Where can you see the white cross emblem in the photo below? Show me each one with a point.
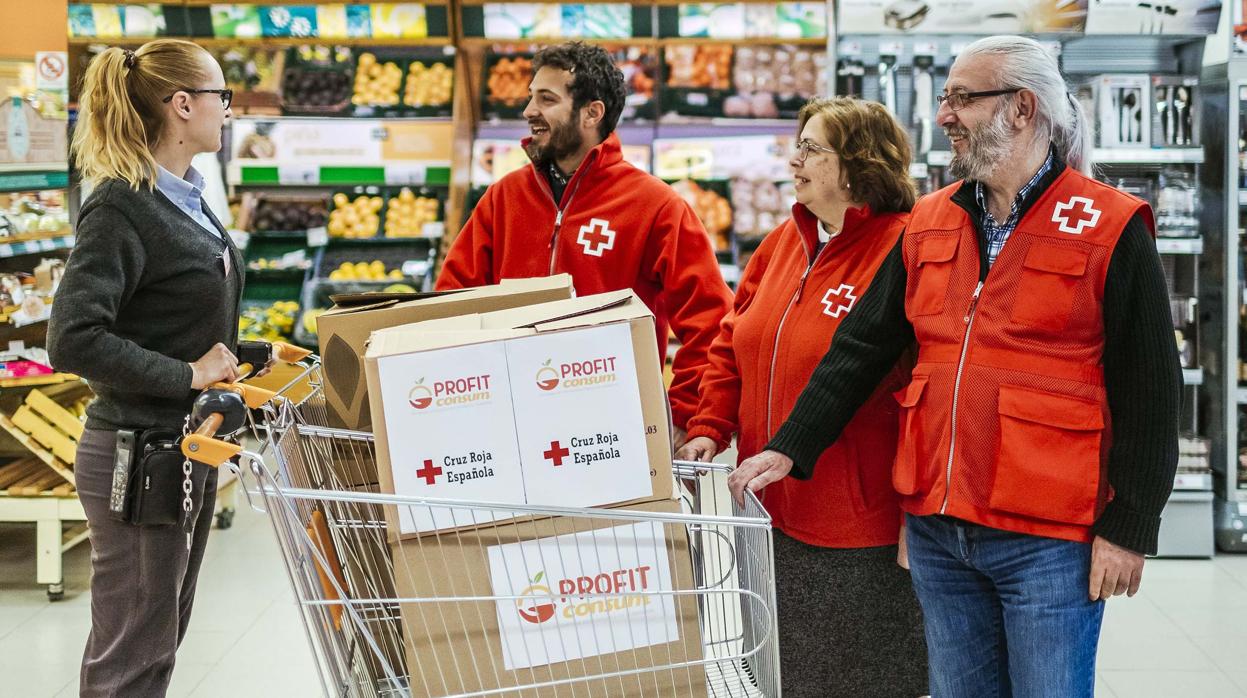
(838, 301)
(1087, 217)
(597, 237)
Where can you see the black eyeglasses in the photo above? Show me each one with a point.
(960, 100)
(227, 95)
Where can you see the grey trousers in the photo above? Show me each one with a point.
(142, 582)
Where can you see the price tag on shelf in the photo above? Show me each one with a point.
(6, 250)
(891, 48)
(404, 174)
(317, 237)
(849, 48)
(918, 170)
(46, 245)
(939, 158)
(697, 99)
(436, 229)
(298, 174)
(926, 48)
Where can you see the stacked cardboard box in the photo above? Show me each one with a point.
(556, 404)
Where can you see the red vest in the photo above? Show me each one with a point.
(1005, 422)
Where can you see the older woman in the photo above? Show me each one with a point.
(849, 622)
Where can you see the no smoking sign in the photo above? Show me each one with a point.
(50, 70)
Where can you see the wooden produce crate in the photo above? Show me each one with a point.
(47, 423)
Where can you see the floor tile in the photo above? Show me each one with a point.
(1167, 684)
(1152, 653)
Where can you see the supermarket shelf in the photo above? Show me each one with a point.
(1193, 482)
(1180, 245)
(271, 173)
(265, 42)
(1145, 156)
(33, 245)
(1113, 156)
(24, 176)
(270, 118)
(1193, 376)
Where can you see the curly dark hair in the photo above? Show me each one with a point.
(594, 77)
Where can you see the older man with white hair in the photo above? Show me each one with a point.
(1038, 438)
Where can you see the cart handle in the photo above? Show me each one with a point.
(253, 396)
(289, 353)
(202, 446)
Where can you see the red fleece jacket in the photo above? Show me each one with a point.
(616, 227)
(787, 309)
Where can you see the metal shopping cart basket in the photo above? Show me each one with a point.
(661, 599)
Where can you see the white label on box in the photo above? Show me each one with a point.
(449, 428)
(578, 417)
(590, 593)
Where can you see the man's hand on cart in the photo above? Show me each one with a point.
(219, 365)
(700, 449)
(758, 472)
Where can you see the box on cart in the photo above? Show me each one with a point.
(343, 331)
(586, 606)
(556, 404)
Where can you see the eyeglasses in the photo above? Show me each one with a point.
(805, 145)
(960, 100)
(227, 95)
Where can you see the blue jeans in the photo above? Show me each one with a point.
(1007, 615)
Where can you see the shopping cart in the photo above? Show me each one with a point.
(504, 606)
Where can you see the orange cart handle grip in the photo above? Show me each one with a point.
(251, 395)
(202, 445)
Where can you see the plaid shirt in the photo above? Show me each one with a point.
(998, 233)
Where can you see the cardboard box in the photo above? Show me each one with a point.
(557, 404)
(344, 330)
(587, 611)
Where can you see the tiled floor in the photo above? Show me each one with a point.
(1184, 635)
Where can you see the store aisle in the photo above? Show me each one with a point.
(1183, 635)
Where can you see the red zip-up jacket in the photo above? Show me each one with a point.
(616, 227)
(787, 309)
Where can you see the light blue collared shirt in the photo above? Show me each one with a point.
(187, 195)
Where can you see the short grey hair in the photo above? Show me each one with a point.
(1028, 64)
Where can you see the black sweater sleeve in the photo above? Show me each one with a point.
(101, 276)
(865, 347)
(1143, 379)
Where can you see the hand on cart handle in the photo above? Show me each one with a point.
(701, 449)
(265, 354)
(758, 472)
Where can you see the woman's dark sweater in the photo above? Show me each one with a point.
(145, 293)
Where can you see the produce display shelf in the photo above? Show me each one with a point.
(1148, 156)
(34, 245)
(255, 173)
(266, 41)
(15, 177)
(29, 443)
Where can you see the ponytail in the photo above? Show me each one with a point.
(1073, 137)
(120, 108)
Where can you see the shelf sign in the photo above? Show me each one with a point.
(528, 20)
(298, 174)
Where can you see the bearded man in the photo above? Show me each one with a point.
(1038, 434)
(582, 209)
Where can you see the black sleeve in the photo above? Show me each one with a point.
(101, 275)
(865, 347)
(1143, 379)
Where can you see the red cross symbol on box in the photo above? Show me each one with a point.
(597, 237)
(557, 453)
(1085, 216)
(429, 472)
(838, 301)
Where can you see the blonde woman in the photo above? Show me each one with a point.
(146, 313)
